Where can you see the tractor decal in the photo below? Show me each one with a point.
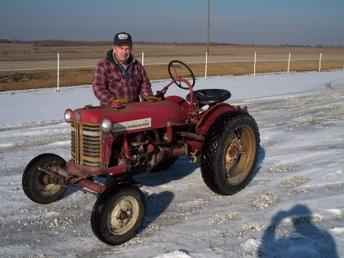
(132, 125)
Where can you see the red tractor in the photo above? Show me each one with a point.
(111, 144)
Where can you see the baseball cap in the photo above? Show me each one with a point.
(122, 38)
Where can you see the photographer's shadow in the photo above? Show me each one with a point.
(303, 240)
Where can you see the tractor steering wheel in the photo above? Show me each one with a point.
(181, 74)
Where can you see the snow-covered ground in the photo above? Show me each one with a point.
(293, 207)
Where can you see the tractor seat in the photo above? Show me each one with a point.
(210, 96)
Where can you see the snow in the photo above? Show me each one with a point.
(175, 254)
(44, 105)
(337, 231)
(293, 207)
(336, 212)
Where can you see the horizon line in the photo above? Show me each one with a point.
(50, 42)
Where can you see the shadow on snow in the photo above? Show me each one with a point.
(293, 233)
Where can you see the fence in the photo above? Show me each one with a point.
(203, 64)
(207, 62)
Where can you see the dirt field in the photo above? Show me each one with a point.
(33, 65)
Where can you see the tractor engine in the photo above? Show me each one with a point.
(146, 150)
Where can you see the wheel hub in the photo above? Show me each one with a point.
(124, 215)
(239, 155)
(233, 153)
(48, 184)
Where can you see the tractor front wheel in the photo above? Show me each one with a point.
(39, 186)
(117, 216)
(230, 153)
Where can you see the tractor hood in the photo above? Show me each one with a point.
(136, 115)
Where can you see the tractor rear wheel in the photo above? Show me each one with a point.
(230, 153)
(117, 216)
(37, 184)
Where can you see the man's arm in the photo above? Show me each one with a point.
(99, 85)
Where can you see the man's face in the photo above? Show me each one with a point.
(122, 52)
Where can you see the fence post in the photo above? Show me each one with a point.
(320, 58)
(58, 73)
(206, 65)
(289, 58)
(143, 58)
(254, 63)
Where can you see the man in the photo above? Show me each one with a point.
(120, 77)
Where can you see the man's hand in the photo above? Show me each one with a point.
(151, 98)
(116, 103)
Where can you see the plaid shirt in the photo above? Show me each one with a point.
(113, 81)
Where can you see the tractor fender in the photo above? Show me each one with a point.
(212, 114)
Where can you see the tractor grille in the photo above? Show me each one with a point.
(85, 149)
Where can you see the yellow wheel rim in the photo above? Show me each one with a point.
(239, 156)
(124, 215)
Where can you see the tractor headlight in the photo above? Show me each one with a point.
(68, 115)
(106, 126)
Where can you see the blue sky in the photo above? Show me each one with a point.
(242, 21)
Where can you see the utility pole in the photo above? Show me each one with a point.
(208, 40)
(208, 43)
